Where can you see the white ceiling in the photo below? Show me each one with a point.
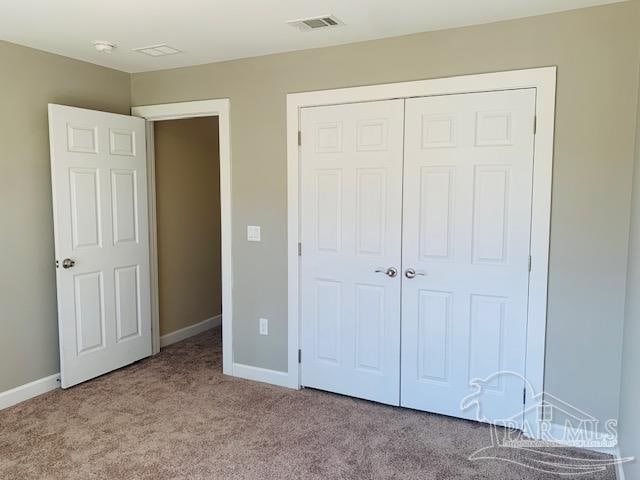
(214, 30)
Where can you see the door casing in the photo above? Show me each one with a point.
(544, 81)
(173, 111)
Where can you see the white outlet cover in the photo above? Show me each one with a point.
(253, 233)
(264, 326)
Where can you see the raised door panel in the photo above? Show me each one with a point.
(493, 128)
(328, 321)
(124, 206)
(434, 335)
(370, 211)
(329, 210)
(372, 134)
(86, 227)
(438, 131)
(370, 322)
(82, 138)
(328, 137)
(490, 214)
(127, 292)
(486, 339)
(122, 142)
(436, 212)
(89, 312)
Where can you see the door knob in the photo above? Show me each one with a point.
(390, 272)
(68, 263)
(411, 273)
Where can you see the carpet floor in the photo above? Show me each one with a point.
(175, 416)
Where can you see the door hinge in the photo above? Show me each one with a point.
(299, 138)
(524, 396)
(529, 262)
(299, 249)
(300, 356)
(535, 124)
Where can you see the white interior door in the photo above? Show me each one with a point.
(99, 183)
(466, 233)
(351, 210)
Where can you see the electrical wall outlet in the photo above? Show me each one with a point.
(253, 233)
(264, 326)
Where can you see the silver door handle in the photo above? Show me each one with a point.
(390, 272)
(411, 273)
(68, 263)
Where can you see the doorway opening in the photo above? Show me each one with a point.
(188, 226)
(189, 221)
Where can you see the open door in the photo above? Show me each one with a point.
(99, 185)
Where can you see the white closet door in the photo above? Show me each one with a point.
(467, 212)
(351, 210)
(99, 178)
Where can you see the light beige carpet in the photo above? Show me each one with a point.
(175, 416)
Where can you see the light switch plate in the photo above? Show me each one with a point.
(264, 326)
(253, 233)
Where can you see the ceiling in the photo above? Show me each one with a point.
(214, 30)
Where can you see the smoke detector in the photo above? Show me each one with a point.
(159, 50)
(104, 47)
(316, 23)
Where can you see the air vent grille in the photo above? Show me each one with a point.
(157, 50)
(315, 23)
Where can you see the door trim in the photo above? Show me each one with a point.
(173, 111)
(544, 81)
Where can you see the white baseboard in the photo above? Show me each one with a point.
(190, 331)
(264, 375)
(29, 390)
(558, 432)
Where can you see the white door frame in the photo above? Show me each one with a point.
(172, 111)
(544, 81)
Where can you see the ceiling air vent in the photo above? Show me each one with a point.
(316, 23)
(157, 50)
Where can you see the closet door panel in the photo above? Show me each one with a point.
(351, 214)
(466, 228)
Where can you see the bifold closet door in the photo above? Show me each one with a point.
(351, 213)
(466, 230)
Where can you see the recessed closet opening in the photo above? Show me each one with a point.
(418, 243)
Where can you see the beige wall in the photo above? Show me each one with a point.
(629, 434)
(596, 51)
(30, 79)
(188, 213)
